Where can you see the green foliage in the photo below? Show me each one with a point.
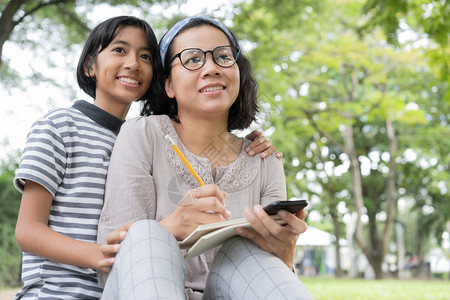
(10, 254)
(430, 17)
(58, 26)
(319, 72)
(424, 17)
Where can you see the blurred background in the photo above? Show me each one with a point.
(354, 93)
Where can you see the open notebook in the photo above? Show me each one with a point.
(209, 236)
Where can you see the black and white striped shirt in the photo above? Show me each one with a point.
(67, 152)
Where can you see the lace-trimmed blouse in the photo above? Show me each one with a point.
(146, 180)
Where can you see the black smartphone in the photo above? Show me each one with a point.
(291, 206)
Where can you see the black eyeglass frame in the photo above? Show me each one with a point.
(236, 56)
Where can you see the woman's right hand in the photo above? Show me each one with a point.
(203, 205)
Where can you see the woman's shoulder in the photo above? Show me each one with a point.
(146, 122)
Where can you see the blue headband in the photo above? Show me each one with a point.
(169, 36)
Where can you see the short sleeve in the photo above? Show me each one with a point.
(43, 158)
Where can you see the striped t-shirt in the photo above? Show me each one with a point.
(67, 152)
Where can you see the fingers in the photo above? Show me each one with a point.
(271, 230)
(271, 236)
(294, 224)
(211, 205)
(109, 253)
(252, 135)
(116, 236)
(260, 145)
(302, 214)
(209, 190)
(106, 264)
(192, 212)
(207, 198)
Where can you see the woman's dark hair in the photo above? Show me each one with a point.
(243, 110)
(100, 37)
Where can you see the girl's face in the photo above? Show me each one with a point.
(123, 70)
(209, 91)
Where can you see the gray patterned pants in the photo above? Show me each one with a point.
(150, 266)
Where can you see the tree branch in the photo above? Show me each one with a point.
(329, 137)
(39, 6)
(75, 18)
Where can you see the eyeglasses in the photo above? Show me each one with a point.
(194, 58)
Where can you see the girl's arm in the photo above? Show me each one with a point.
(34, 236)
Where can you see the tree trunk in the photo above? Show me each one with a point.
(376, 251)
(377, 266)
(7, 22)
(337, 234)
(357, 193)
(391, 197)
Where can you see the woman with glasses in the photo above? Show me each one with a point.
(210, 91)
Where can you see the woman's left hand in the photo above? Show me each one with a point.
(260, 145)
(272, 237)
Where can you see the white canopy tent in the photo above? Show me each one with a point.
(315, 237)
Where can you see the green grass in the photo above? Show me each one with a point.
(354, 289)
(387, 289)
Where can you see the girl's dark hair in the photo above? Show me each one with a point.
(100, 37)
(243, 110)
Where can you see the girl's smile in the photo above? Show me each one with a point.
(123, 70)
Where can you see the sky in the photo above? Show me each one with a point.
(20, 107)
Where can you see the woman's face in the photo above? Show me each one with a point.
(209, 91)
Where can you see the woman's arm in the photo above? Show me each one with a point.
(203, 205)
(34, 236)
(272, 237)
(266, 233)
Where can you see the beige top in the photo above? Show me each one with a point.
(146, 180)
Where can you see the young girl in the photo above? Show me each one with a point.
(211, 92)
(65, 161)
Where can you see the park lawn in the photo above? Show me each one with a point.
(387, 289)
(354, 289)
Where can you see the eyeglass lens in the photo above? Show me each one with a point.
(193, 59)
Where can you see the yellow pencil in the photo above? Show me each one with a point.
(183, 159)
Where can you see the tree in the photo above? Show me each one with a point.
(62, 22)
(426, 18)
(333, 87)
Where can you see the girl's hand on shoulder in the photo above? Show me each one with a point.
(272, 237)
(112, 246)
(202, 205)
(261, 145)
